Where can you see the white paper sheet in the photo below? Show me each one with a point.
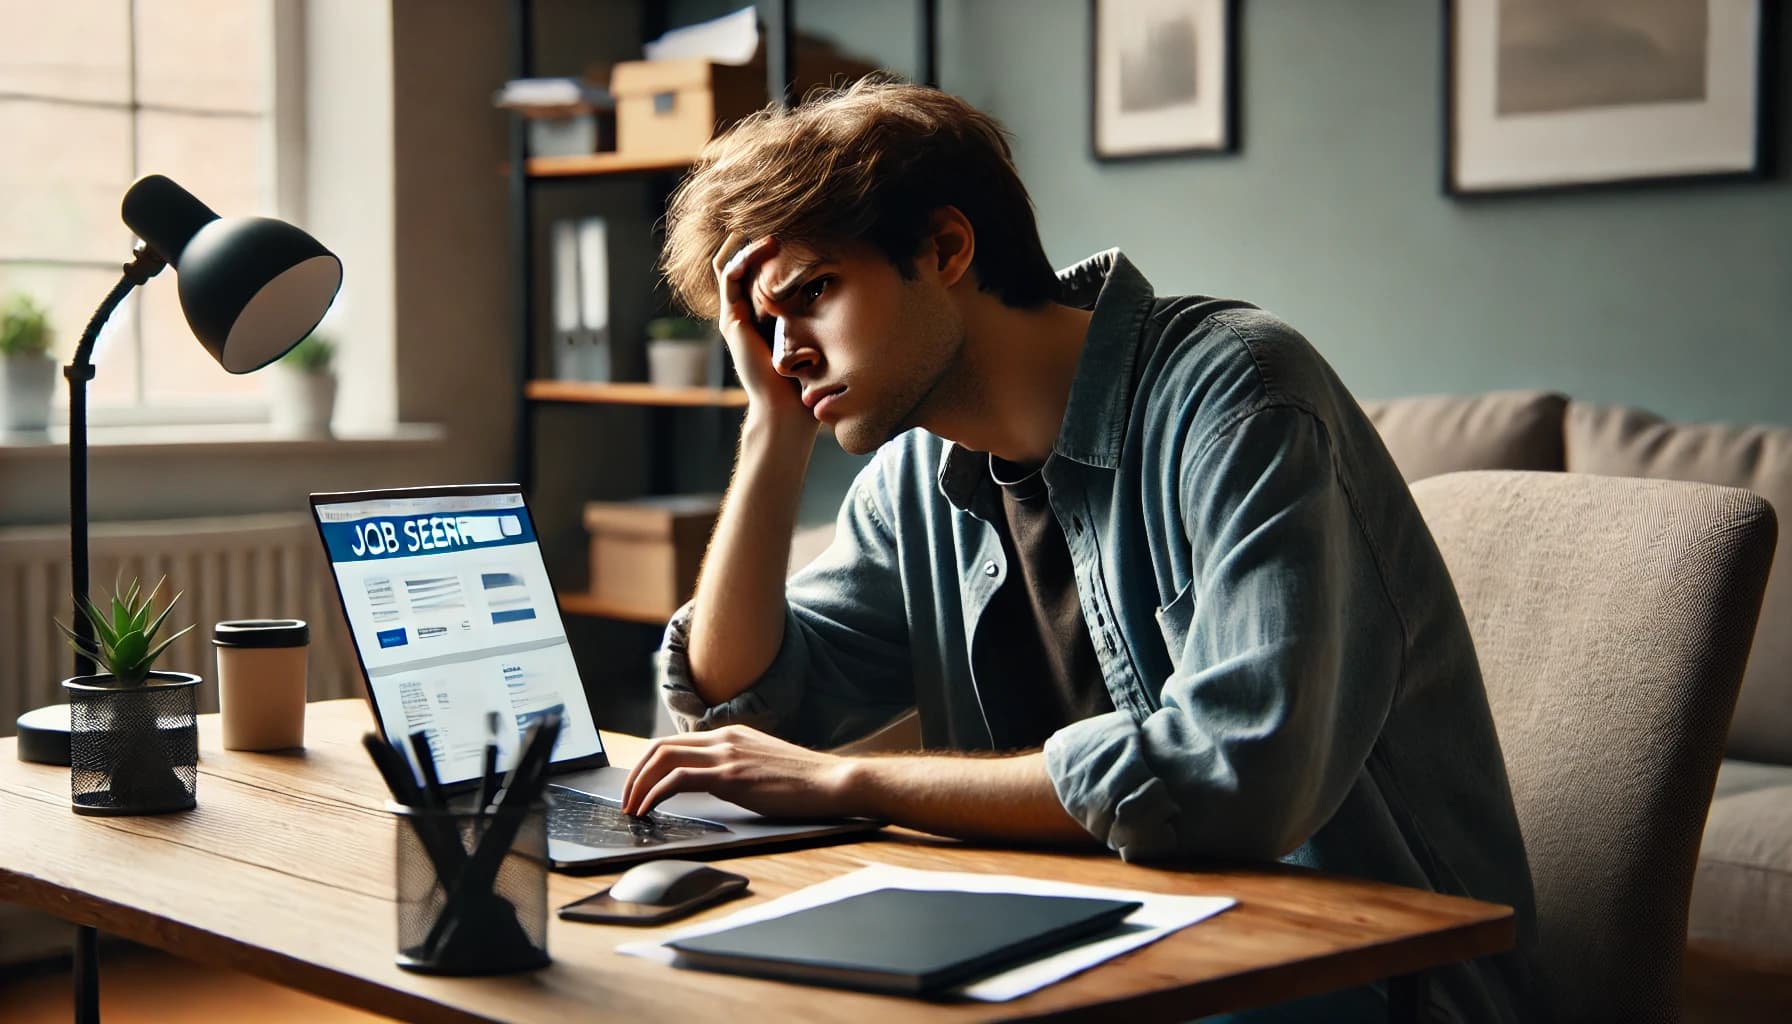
(1160, 915)
(729, 39)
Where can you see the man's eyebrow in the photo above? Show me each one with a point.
(790, 285)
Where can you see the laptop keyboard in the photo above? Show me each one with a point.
(590, 820)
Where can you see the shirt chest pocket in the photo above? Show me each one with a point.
(1173, 621)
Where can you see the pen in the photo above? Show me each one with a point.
(470, 893)
(393, 769)
(488, 782)
(426, 763)
(443, 849)
(488, 778)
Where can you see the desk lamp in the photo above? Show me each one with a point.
(251, 288)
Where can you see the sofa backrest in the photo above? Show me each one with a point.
(1616, 441)
(1499, 430)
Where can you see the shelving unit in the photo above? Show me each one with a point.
(591, 171)
(585, 604)
(633, 393)
(599, 164)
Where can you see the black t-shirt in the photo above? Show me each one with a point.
(1050, 677)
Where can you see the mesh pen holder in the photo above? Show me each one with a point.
(133, 749)
(461, 913)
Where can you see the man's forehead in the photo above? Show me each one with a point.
(784, 268)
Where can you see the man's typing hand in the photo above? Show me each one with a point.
(744, 766)
(1007, 798)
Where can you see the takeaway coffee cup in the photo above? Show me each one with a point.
(261, 682)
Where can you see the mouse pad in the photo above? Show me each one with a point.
(602, 908)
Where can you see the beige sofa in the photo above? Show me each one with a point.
(1739, 962)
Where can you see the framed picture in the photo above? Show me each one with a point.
(1575, 93)
(1164, 77)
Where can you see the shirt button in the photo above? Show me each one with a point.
(989, 569)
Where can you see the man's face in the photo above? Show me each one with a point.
(867, 347)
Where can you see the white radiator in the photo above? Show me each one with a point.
(241, 567)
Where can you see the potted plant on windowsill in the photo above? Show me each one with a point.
(27, 372)
(681, 353)
(133, 734)
(302, 390)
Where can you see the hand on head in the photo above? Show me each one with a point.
(737, 263)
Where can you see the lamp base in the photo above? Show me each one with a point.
(43, 734)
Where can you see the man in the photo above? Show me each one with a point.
(1141, 563)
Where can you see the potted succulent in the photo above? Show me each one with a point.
(303, 388)
(133, 736)
(27, 372)
(680, 352)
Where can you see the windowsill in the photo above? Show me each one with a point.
(209, 439)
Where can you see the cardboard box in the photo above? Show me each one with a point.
(670, 108)
(645, 552)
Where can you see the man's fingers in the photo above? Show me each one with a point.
(735, 269)
(664, 757)
(730, 247)
(681, 780)
(743, 259)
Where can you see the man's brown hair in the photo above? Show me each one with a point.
(869, 163)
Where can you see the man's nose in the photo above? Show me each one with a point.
(791, 356)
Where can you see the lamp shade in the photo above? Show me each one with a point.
(251, 287)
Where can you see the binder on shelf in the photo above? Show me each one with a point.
(581, 300)
(594, 292)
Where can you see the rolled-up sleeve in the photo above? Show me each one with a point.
(842, 669)
(1287, 657)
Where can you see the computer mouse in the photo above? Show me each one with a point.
(666, 883)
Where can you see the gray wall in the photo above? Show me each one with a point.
(1674, 298)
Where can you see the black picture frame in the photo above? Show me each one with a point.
(1460, 180)
(1185, 123)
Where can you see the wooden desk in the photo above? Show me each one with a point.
(285, 871)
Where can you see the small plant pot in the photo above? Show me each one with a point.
(26, 383)
(133, 749)
(679, 362)
(301, 404)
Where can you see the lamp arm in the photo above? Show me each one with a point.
(145, 264)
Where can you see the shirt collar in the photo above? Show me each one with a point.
(1094, 426)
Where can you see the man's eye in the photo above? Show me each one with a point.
(813, 289)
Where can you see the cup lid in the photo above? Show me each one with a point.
(261, 633)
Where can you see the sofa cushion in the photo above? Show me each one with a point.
(1439, 434)
(1615, 441)
(1742, 890)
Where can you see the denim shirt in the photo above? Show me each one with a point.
(1292, 674)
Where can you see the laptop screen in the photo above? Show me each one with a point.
(453, 616)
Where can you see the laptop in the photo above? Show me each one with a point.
(448, 599)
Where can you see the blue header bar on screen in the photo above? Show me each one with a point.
(404, 536)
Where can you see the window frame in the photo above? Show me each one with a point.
(283, 135)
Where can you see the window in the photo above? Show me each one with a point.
(95, 93)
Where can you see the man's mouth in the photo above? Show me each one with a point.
(814, 397)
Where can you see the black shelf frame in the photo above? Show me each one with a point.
(780, 36)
